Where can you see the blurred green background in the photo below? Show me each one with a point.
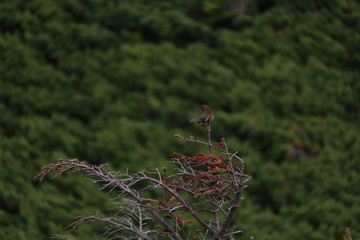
(113, 81)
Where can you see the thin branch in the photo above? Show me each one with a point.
(213, 183)
(209, 137)
(191, 139)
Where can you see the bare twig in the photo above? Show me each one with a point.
(209, 136)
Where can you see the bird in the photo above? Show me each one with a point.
(206, 117)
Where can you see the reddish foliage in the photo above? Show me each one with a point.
(221, 143)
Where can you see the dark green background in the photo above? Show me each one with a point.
(113, 81)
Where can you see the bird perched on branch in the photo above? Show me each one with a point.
(206, 117)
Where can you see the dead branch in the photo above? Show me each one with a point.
(209, 187)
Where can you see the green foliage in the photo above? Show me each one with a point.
(112, 81)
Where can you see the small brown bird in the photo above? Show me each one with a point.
(206, 117)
